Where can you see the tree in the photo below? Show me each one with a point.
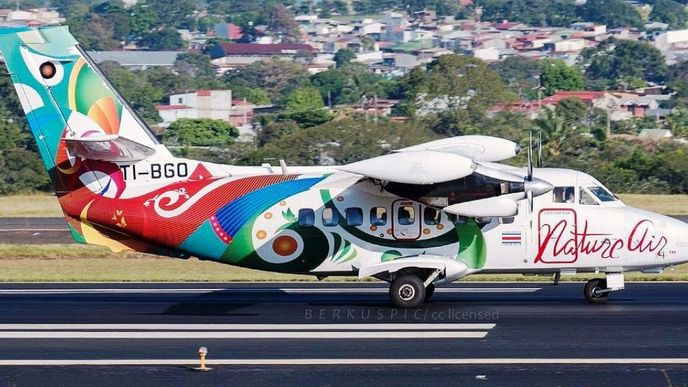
(614, 63)
(572, 111)
(613, 13)
(93, 31)
(670, 12)
(141, 19)
(167, 38)
(177, 13)
(136, 89)
(281, 22)
(543, 13)
(193, 64)
(556, 76)
(520, 74)
(339, 142)
(200, 132)
(344, 56)
(453, 93)
(305, 106)
(305, 98)
(277, 77)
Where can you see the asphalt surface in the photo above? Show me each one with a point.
(34, 231)
(323, 334)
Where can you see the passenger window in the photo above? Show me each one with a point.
(508, 220)
(378, 216)
(587, 199)
(406, 215)
(306, 217)
(564, 195)
(431, 216)
(354, 216)
(329, 217)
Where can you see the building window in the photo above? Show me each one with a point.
(329, 217)
(378, 216)
(306, 217)
(354, 216)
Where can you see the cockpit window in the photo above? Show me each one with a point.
(602, 194)
(564, 195)
(587, 199)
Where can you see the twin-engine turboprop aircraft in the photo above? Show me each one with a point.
(418, 217)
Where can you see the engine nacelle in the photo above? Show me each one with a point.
(476, 147)
(499, 206)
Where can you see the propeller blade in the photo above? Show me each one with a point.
(540, 162)
(529, 177)
(529, 195)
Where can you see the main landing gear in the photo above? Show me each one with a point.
(409, 290)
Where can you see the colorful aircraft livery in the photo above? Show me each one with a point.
(417, 217)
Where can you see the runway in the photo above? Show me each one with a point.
(339, 334)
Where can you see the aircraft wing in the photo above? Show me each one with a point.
(475, 147)
(109, 147)
(414, 167)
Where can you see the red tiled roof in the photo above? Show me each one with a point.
(585, 96)
(203, 93)
(263, 49)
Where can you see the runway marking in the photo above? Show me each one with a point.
(345, 362)
(246, 327)
(255, 290)
(33, 229)
(243, 335)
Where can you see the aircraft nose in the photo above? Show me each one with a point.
(538, 186)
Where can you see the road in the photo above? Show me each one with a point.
(341, 334)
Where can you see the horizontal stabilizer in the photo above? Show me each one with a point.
(109, 147)
(422, 167)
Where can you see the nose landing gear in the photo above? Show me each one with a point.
(596, 291)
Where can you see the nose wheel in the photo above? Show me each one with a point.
(596, 291)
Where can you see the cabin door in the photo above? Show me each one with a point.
(406, 222)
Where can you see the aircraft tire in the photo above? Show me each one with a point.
(589, 290)
(429, 291)
(407, 291)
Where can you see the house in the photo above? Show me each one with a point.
(656, 134)
(229, 31)
(137, 60)
(231, 55)
(215, 104)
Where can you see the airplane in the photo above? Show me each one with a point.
(418, 217)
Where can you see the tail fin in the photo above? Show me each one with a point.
(76, 115)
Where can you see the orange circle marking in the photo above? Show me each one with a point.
(373, 228)
(283, 203)
(426, 231)
(261, 234)
(440, 226)
(268, 215)
(284, 245)
(389, 231)
(340, 198)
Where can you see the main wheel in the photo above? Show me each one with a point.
(429, 291)
(592, 289)
(407, 291)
